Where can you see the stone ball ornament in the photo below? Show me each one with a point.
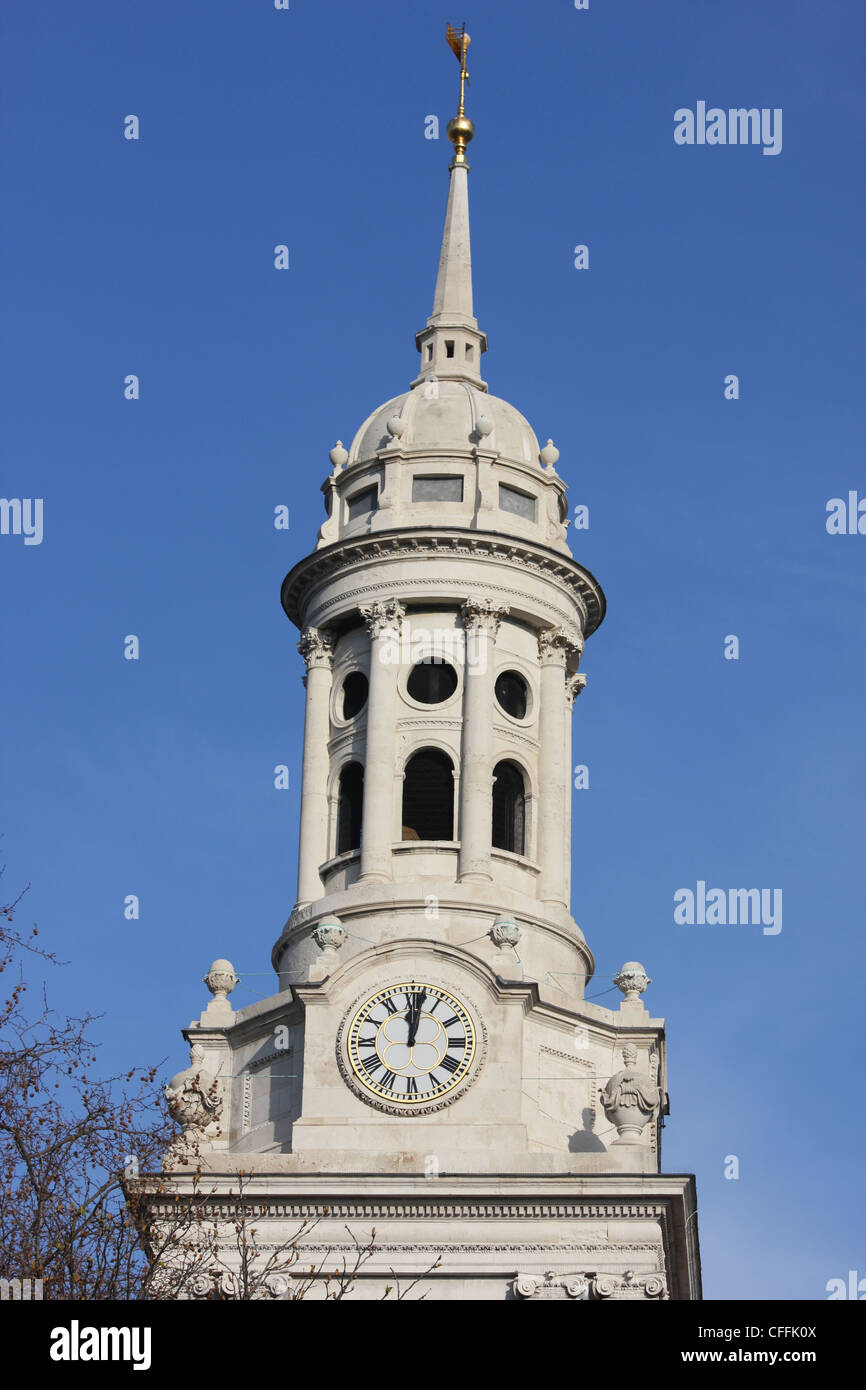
(221, 979)
(505, 931)
(549, 455)
(484, 426)
(632, 980)
(396, 426)
(329, 934)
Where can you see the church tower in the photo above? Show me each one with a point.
(431, 1066)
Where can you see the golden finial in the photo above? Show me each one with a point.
(460, 128)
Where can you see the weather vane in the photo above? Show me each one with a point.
(460, 128)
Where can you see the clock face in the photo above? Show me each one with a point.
(410, 1045)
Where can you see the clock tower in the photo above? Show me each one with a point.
(430, 1065)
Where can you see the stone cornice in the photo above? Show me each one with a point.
(450, 900)
(273, 1206)
(250, 1022)
(425, 542)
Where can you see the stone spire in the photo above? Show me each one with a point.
(452, 299)
(452, 343)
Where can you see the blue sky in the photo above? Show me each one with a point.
(707, 516)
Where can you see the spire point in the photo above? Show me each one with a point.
(452, 343)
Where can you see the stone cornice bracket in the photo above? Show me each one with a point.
(556, 647)
(573, 686)
(317, 647)
(551, 1286)
(630, 1286)
(482, 615)
(380, 617)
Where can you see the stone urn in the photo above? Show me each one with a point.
(630, 1099)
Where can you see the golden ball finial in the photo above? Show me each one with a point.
(460, 131)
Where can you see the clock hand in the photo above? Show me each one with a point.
(415, 1002)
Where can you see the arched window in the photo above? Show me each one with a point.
(349, 807)
(509, 808)
(428, 796)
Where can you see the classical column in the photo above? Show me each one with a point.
(383, 622)
(573, 686)
(481, 624)
(317, 648)
(554, 648)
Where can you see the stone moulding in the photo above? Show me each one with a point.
(572, 1058)
(645, 1251)
(421, 543)
(289, 1209)
(297, 927)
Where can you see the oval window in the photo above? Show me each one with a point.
(431, 682)
(511, 694)
(355, 688)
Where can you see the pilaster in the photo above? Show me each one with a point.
(383, 621)
(317, 648)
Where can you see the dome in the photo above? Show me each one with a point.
(441, 416)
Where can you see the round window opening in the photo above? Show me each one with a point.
(355, 688)
(511, 694)
(431, 682)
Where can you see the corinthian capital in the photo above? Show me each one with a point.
(380, 618)
(482, 615)
(317, 647)
(573, 686)
(556, 646)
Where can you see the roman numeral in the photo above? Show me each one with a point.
(370, 1064)
(389, 1004)
(388, 1080)
(411, 1086)
(448, 1063)
(448, 1022)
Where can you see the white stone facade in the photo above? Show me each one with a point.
(517, 1140)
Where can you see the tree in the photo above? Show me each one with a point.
(194, 1254)
(74, 1212)
(66, 1137)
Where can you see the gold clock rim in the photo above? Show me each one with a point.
(425, 1099)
